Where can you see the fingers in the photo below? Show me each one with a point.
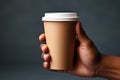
(42, 37)
(82, 36)
(46, 57)
(46, 65)
(44, 48)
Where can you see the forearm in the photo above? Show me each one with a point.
(109, 67)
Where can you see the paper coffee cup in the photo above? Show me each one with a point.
(60, 37)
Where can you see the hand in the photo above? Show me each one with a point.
(86, 59)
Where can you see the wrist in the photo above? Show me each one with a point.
(100, 72)
(109, 67)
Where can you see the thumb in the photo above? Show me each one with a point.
(81, 35)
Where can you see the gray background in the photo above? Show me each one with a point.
(20, 26)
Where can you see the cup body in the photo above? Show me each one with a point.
(60, 38)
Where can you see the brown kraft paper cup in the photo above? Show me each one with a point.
(60, 38)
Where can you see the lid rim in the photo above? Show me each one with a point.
(60, 19)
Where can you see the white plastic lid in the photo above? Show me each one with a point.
(60, 16)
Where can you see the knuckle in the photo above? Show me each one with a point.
(47, 57)
(87, 43)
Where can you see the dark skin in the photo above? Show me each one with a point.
(88, 61)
